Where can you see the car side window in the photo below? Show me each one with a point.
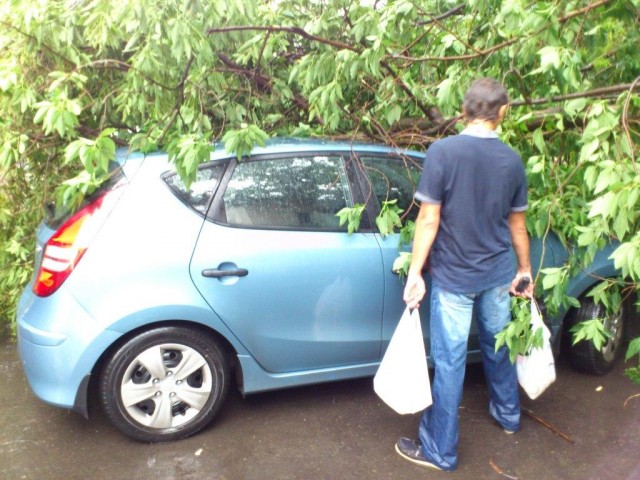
(304, 192)
(201, 190)
(393, 178)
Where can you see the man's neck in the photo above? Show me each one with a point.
(486, 124)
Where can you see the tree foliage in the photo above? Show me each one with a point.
(80, 77)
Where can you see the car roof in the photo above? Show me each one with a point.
(289, 145)
(280, 145)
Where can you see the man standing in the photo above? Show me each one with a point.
(473, 196)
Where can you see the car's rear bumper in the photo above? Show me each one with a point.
(59, 351)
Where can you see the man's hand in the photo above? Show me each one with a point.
(426, 230)
(527, 291)
(414, 290)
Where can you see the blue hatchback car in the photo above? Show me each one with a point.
(162, 297)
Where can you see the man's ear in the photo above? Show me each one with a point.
(502, 112)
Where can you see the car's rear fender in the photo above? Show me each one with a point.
(186, 315)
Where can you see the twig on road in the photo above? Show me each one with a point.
(630, 398)
(499, 471)
(551, 427)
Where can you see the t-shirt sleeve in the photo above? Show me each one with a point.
(520, 202)
(431, 186)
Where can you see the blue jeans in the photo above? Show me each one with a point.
(450, 323)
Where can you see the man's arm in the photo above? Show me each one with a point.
(426, 229)
(520, 240)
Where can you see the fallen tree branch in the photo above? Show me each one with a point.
(294, 30)
(438, 125)
(597, 92)
(179, 99)
(500, 46)
(261, 81)
(449, 13)
(586, 9)
(429, 128)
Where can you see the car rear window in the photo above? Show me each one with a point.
(199, 194)
(394, 178)
(56, 215)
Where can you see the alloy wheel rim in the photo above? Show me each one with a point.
(166, 386)
(614, 324)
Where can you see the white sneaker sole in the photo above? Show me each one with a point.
(422, 463)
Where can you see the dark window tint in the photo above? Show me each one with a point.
(393, 178)
(201, 190)
(301, 192)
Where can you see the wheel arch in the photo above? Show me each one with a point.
(86, 401)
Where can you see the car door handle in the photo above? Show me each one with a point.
(216, 273)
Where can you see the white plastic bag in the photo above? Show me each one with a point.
(537, 370)
(402, 380)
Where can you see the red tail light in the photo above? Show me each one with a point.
(66, 247)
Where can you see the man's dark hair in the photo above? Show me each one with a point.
(484, 99)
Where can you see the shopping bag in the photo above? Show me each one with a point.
(536, 370)
(402, 380)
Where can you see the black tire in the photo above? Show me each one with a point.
(164, 384)
(584, 355)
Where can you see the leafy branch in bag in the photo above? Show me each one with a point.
(517, 335)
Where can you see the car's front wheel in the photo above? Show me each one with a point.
(164, 384)
(584, 355)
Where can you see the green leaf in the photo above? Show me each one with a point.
(402, 263)
(241, 141)
(538, 140)
(633, 374)
(593, 330)
(406, 233)
(633, 349)
(388, 218)
(444, 91)
(573, 107)
(588, 150)
(351, 216)
(549, 58)
(552, 277)
(604, 206)
(393, 114)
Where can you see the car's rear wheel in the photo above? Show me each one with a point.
(584, 355)
(164, 384)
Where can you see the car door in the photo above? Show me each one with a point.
(395, 177)
(388, 178)
(297, 291)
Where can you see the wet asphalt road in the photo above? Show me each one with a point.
(332, 431)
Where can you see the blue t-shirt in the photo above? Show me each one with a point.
(479, 181)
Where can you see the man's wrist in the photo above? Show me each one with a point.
(414, 273)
